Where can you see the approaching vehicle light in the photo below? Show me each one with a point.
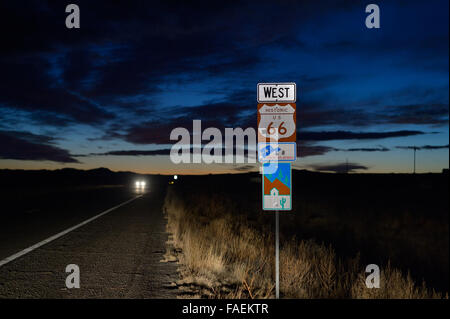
(140, 184)
(175, 176)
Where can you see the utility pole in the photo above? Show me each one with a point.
(415, 148)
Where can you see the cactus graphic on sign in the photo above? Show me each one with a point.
(282, 202)
(277, 186)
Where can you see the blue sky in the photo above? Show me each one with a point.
(136, 70)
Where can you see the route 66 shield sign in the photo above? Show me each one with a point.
(277, 122)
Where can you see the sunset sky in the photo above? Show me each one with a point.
(108, 93)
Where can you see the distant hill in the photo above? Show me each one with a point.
(65, 177)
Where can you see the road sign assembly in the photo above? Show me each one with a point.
(277, 137)
(277, 147)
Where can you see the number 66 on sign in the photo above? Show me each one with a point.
(277, 122)
(277, 132)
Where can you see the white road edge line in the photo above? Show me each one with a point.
(52, 238)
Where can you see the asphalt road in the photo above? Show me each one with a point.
(119, 254)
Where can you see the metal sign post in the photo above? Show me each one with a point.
(277, 254)
(277, 147)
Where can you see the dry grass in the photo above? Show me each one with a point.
(222, 256)
(394, 285)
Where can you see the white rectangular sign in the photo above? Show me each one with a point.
(277, 92)
(277, 152)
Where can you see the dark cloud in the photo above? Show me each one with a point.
(127, 50)
(30, 137)
(363, 149)
(155, 132)
(313, 114)
(163, 151)
(245, 168)
(26, 85)
(348, 135)
(311, 84)
(430, 106)
(73, 75)
(28, 146)
(158, 132)
(432, 113)
(226, 113)
(305, 149)
(424, 147)
(219, 115)
(241, 114)
(339, 168)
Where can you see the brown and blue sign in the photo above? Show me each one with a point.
(277, 186)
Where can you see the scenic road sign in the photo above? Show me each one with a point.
(277, 92)
(282, 152)
(277, 186)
